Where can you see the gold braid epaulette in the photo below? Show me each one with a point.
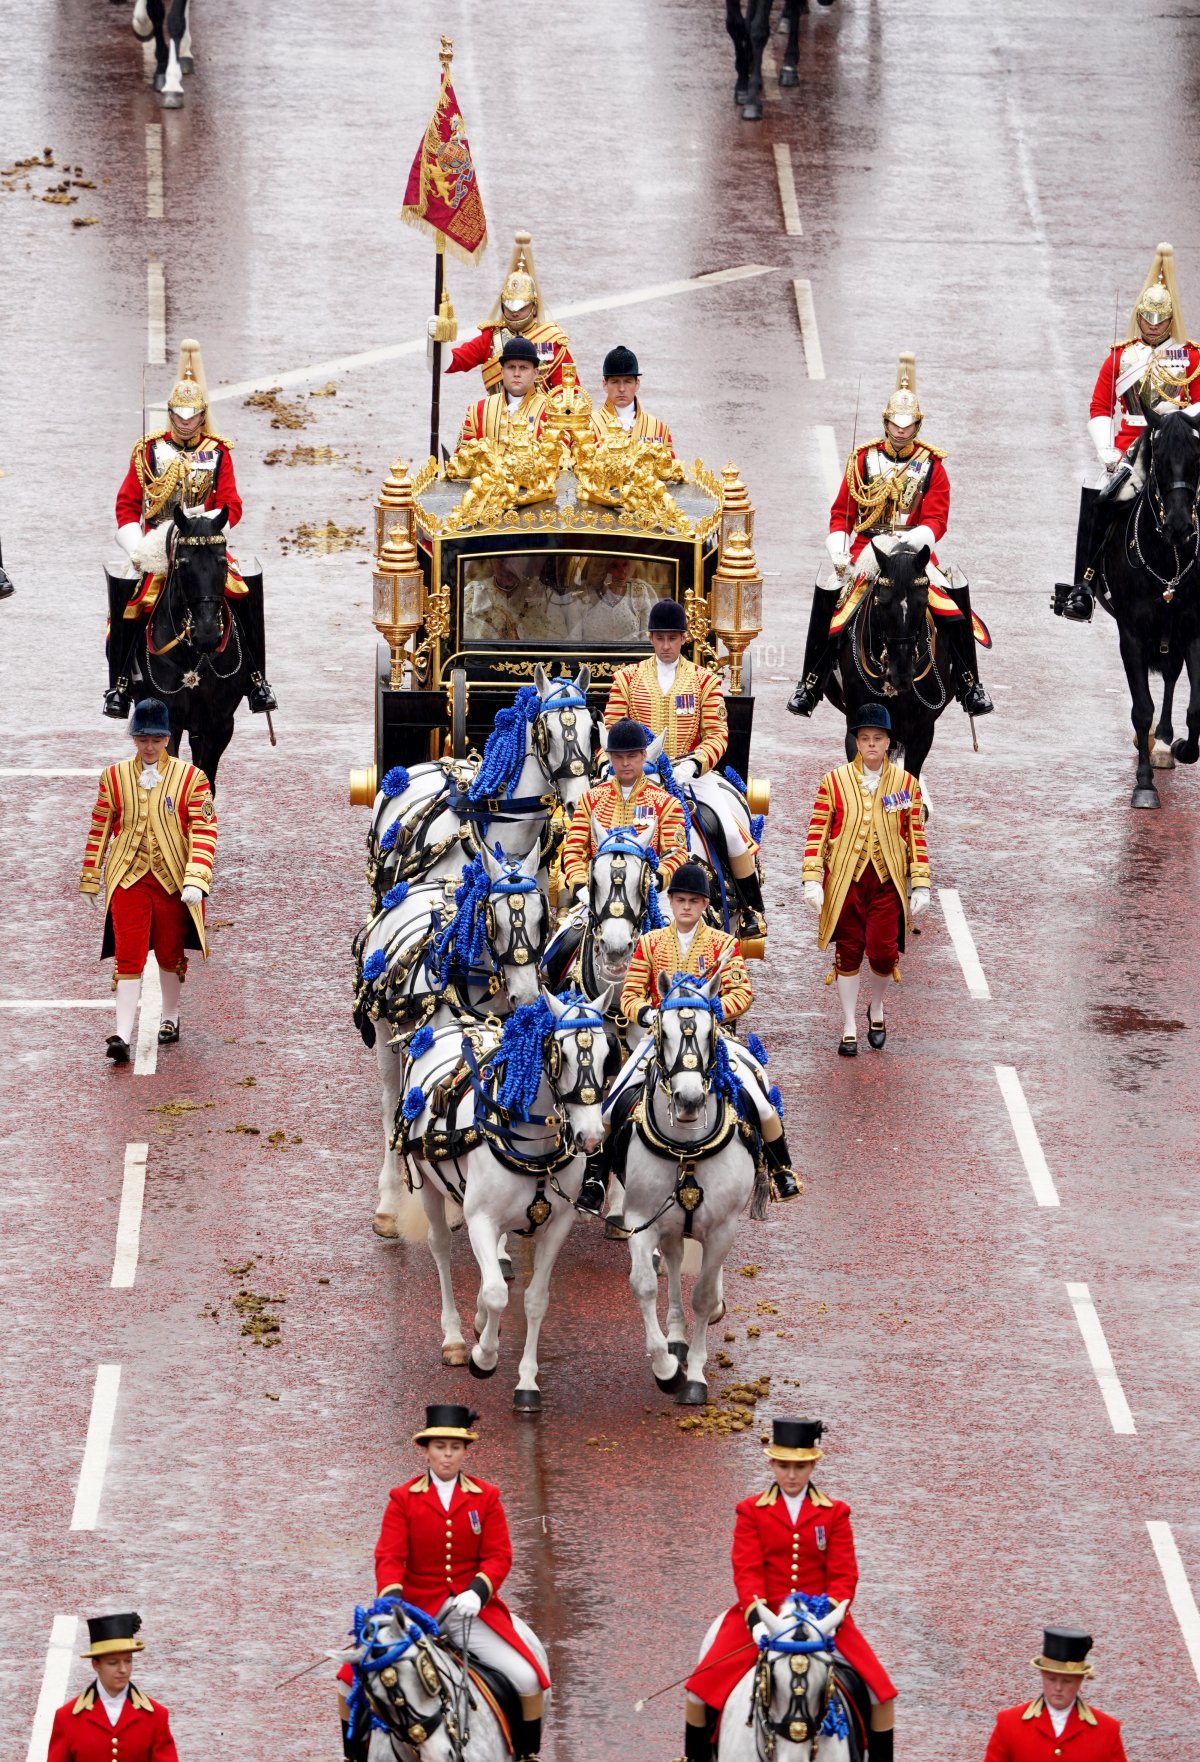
(873, 499)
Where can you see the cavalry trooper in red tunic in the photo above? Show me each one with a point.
(112, 1720)
(893, 487)
(622, 411)
(866, 868)
(1156, 362)
(1059, 1722)
(628, 798)
(154, 838)
(183, 466)
(444, 1546)
(518, 312)
(790, 1538)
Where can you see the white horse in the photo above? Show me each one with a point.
(593, 949)
(166, 23)
(791, 1705)
(507, 1144)
(689, 1174)
(417, 1686)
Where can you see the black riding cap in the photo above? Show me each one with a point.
(690, 878)
(627, 736)
(667, 615)
(519, 348)
(447, 1420)
(870, 716)
(151, 716)
(621, 363)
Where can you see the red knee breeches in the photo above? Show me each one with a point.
(144, 917)
(869, 924)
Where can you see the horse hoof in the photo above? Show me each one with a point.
(385, 1225)
(1181, 750)
(740, 94)
(527, 1401)
(752, 112)
(187, 64)
(670, 1384)
(678, 1350)
(1162, 756)
(477, 1370)
(506, 1269)
(788, 76)
(1145, 798)
(170, 100)
(717, 1315)
(614, 1228)
(692, 1395)
(454, 1356)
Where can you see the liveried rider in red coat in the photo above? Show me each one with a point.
(790, 1538)
(112, 1720)
(1059, 1722)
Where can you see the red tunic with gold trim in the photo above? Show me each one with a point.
(491, 418)
(659, 954)
(1026, 1734)
(1167, 374)
(646, 805)
(428, 1554)
(691, 714)
(918, 493)
(772, 1557)
(483, 351)
(82, 1731)
(645, 426)
(162, 476)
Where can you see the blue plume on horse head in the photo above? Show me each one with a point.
(378, 1654)
(520, 1056)
(504, 750)
(580, 1012)
(686, 991)
(459, 944)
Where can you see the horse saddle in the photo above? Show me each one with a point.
(497, 1691)
(858, 1706)
(562, 951)
(713, 831)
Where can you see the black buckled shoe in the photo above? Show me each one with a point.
(804, 699)
(876, 1034)
(118, 702)
(848, 1046)
(260, 697)
(1078, 607)
(751, 924)
(117, 1049)
(168, 1034)
(975, 700)
(779, 1168)
(6, 586)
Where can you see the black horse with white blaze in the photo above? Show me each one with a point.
(166, 23)
(749, 24)
(892, 652)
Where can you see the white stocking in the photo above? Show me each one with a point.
(847, 984)
(171, 985)
(876, 985)
(128, 992)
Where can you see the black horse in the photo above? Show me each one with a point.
(892, 652)
(749, 25)
(1148, 578)
(190, 653)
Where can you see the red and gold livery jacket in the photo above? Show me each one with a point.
(849, 829)
(493, 418)
(82, 1731)
(169, 831)
(428, 1553)
(1026, 1734)
(163, 476)
(648, 804)
(659, 955)
(881, 492)
(606, 421)
(483, 351)
(691, 714)
(1166, 375)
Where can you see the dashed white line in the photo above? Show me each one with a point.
(149, 1021)
(129, 1219)
(831, 460)
(964, 942)
(1178, 1588)
(787, 191)
(156, 313)
(1101, 1361)
(807, 314)
(154, 171)
(770, 75)
(56, 1673)
(1040, 1178)
(95, 1451)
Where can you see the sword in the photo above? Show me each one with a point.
(296, 1674)
(974, 736)
(271, 729)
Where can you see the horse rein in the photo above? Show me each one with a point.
(798, 1723)
(1157, 494)
(872, 666)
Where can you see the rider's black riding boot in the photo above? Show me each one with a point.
(1073, 599)
(753, 912)
(248, 608)
(779, 1168)
(356, 1744)
(968, 687)
(6, 586)
(818, 653)
(698, 1739)
(595, 1184)
(880, 1746)
(527, 1740)
(122, 635)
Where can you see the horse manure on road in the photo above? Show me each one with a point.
(325, 540)
(283, 415)
(175, 1108)
(302, 456)
(730, 1412)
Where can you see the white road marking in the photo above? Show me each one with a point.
(665, 290)
(1040, 1178)
(1101, 1361)
(770, 75)
(129, 1219)
(154, 171)
(787, 191)
(46, 771)
(56, 1002)
(1178, 1589)
(964, 942)
(95, 1451)
(156, 313)
(149, 1021)
(832, 468)
(56, 1673)
(807, 313)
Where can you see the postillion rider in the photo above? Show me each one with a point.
(1155, 362)
(185, 466)
(792, 1537)
(627, 798)
(685, 703)
(1058, 1722)
(896, 485)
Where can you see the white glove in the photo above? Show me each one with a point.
(686, 767)
(1110, 458)
(192, 895)
(838, 546)
(129, 537)
(920, 535)
(868, 562)
(92, 899)
(760, 1632)
(1101, 431)
(814, 895)
(441, 330)
(468, 1603)
(918, 899)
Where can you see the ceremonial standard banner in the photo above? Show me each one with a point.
(442, 194)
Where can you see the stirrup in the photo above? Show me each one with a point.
(118, 700)
(1079, 605)
(260, 697)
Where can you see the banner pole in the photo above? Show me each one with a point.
(435, 406)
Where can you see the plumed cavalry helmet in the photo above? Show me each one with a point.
(520, 288)
(904, 406)
(1159, 298)
(189, 395)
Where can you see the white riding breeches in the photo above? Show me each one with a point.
(488, 1648)
(709, 790)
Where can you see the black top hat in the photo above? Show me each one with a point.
(870, 716)
(627, 736)
(621, 363)
(447, 1420)
(667, 615)
(795, 1440)
(690, 878)
(519, 348)
(151, 716)
(1065, 1650)
(112, 1633)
